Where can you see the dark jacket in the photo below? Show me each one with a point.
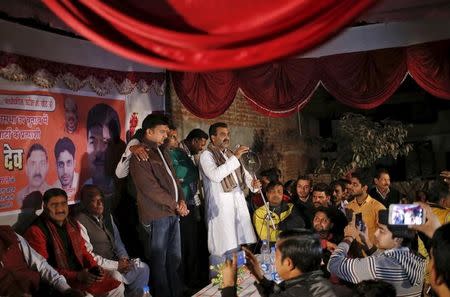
(310, 284)
(393, 197)
(304, 209)
(154, 186)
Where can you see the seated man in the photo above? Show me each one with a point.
(283, 214)
(105, 245)
(397, 264)
(22, 268)
(297, 261)
(58, 239)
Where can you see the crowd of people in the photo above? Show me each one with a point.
(192, 203)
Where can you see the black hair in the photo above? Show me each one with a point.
(139, 134)
(440, 251)
(64, 144)
(102, 114)
(153, 120)
(272, 185)
(88, 192)
(197, 134)
(302, 246)
(322, 187)
(36, 147)
(53, 192)
(213, 128)
(379, 172)
(273, 174)
(362, 176)
(374, 288)
(338, 182)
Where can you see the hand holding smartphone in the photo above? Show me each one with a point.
(406, 214)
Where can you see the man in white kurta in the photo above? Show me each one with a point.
(228, 219)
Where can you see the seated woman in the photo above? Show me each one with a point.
(284, 215)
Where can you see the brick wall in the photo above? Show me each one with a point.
(282, 134)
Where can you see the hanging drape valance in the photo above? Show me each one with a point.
(45, 74)
(361, 80)
(187, 35)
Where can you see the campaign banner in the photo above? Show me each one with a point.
(57, 140)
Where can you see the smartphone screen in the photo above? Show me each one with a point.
(359, 223)
(241, 260)
(406, 214)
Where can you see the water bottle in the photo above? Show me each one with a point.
(274, 276)
(146, 291)
(265, 259)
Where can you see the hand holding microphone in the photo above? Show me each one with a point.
(240, 150)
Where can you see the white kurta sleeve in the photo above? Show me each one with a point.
(217, 173)
(103, 262)
(122, 168)
(47, 272)
(121, 252)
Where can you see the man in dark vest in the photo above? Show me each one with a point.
(22, 268)
(105, 245)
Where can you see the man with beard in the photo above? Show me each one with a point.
(302, 200)
(65, 167)
(224, 179)
(363, 203)
(382, 190)
(70, 115)
(36, 171)
(57, 238)
(339, 195)
(103, 131)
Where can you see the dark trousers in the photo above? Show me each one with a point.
(165, 257)
(194, 249)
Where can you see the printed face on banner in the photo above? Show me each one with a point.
(55, 140)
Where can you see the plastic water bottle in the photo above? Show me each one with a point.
(146, 291)
(265, 259)
(274, 276)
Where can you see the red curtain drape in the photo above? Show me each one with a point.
(429, 65)
(360, 80)
(207, 35)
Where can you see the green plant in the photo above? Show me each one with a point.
(361, 142)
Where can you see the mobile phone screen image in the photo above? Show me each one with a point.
(240, 255)
(359, 223)
(406, 214)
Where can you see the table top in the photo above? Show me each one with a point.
(248, 288)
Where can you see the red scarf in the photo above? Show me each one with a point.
(73, 232)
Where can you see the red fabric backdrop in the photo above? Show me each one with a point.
(361, 80)
(208, 35)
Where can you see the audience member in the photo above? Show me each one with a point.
(302, 199)
(421, 196)
(363, 203)
(297, 261)
(267, 176)
(224, 179)
(395, 263)
(288, 187)
(58, 239)
(283, 214)
(104, 243)
(382, 191)
(160, 202)
(440, 261)
(339, 197)
(321, 195)
(374, 288)
(22, 268)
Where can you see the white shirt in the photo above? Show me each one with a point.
(36, 262)
(122, 168)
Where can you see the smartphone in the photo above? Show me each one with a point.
(240, 258)
(406, 214)
(359, 223)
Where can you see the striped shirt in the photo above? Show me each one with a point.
(399, 267)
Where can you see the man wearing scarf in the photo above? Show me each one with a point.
(224, 179)
(58, 239)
